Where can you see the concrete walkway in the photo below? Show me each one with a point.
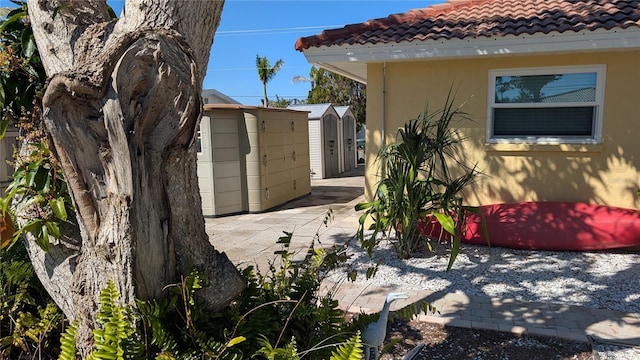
(458, 309)
(250, 239)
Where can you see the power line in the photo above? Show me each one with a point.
(261, 96)
(273, 31)
(254, 68)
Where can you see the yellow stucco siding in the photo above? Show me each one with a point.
(606, 173)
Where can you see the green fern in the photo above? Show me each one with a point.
(154, 315)
(350, 350)
(68, 349)
(117, 337)
(213, 349)
(49, 316)
(179, 326)
(289, 352)
(410, 311)
(29, 320)
(18, 272)
(16, 278)
(390, 345)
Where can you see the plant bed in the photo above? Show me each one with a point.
(445, 342)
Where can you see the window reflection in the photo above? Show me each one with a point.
(547, 88)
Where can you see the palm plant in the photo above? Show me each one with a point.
(418, 183)
(266, 72)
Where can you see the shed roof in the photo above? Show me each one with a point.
(342, 110)
(316, 111)
(463, 19)
(219, 97)
(209, 107)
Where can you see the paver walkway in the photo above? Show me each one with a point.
(251, 239)
(458, 309)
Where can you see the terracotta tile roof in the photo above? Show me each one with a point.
(580, 95)
(483, 18)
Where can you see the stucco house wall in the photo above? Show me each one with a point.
(574, 140)
(603, 173)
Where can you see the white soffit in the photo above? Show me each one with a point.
(353, 70)
(351, 60)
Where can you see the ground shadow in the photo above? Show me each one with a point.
(585, 294)
(339, 190)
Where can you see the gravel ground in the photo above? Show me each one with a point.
(614, 352)
(607, 280)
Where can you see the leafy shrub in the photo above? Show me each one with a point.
(283, 305)
(179, 327)
(38, 185)
(281, 315)
(417, 182)
(286, 303)
(30, 323)
(22, 74)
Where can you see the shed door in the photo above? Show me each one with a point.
(330, 134)
(227, 184)
(349, 131)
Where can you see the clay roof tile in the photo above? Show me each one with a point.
(479, 18)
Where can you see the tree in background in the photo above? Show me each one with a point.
(283, 103)
(328, 87)
(22, 75)
(121, 109)
(528, 88)
(266, 72)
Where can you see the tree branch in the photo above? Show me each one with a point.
(58, 24)
(197, 21)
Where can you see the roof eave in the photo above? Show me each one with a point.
(353, 70)
(351, 60)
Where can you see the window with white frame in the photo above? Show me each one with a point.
(546, 105)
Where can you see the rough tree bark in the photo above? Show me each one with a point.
(122, 106)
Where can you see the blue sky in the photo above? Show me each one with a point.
(270, 28)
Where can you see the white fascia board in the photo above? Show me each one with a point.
(341, 59)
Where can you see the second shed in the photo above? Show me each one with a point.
(324, 153)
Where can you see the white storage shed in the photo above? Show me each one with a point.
(347, 138)
(251, 159)
(324, 153)
(213, 96)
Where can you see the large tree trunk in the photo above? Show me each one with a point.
(122, 106)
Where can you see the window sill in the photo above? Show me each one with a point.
(581, 148)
